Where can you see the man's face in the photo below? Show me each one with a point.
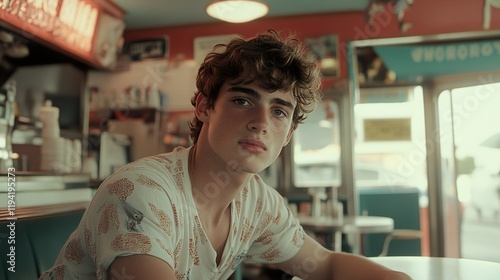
(248, 126)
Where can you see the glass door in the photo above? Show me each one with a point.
(456, 155)
(390, 164)
(472, 115)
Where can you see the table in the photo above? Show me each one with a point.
(433, 268)
(356, 225)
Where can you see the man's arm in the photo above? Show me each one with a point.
(313, 261)
(140, 267)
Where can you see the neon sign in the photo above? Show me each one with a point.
(71, 21)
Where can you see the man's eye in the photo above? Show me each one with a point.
(240, 101)
(280, 113)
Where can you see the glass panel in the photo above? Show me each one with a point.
(390, 139)
(316, 148)
(390, 163)
(476, 129)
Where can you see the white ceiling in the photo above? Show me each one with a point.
(163, 13)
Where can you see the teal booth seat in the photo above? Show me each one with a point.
(399, 203)
(25, 267)
(38, 241)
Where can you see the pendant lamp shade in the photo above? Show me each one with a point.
(237, 11)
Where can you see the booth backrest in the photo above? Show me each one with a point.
(38, 241)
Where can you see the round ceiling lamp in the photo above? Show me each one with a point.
(237, 11)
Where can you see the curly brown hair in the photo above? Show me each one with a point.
(273, 61)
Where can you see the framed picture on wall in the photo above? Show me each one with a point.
(204, 45)
(152, 48)
(326, 50)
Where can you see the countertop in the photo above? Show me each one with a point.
(22, 191)
(43, 210)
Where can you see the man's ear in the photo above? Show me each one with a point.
(289, 136)
(202, 107)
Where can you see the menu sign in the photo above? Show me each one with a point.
(72, 22)
(387, 129)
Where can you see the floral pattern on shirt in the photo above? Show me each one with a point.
(122, 188)
(148, 207)
(89, 243)
(132, 241)
(74, 251)
(148, 182)
(109, 218)
(163, 219)
(271, 254)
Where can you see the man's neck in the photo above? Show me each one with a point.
(213, 188)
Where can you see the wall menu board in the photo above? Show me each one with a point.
(387, 129)
(65, 25)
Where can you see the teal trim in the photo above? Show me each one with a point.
(421, 61)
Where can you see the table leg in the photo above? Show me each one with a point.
(356, 244)
(338, 241)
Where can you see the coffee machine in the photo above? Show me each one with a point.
(7, 120)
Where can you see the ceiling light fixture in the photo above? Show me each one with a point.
(237, 11)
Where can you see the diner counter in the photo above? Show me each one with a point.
(24, 181)
(46, 198)
(31, 194)
(40, 211)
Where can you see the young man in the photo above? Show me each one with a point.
(197, 212)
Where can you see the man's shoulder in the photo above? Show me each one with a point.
(177, 155)
(161, 169)
(168, 160)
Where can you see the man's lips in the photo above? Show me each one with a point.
(253, 142)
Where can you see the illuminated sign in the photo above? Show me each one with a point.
(387, 129)
(70, 21)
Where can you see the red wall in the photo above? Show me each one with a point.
(426, 16)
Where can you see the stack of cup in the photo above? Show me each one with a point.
(52, 152)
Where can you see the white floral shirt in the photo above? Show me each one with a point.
(147, 207)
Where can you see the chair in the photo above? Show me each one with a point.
(402, 234)
(400, 204)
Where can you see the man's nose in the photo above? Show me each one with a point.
(259, 121)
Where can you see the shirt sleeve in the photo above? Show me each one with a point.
(131, 214)
(279, 234)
